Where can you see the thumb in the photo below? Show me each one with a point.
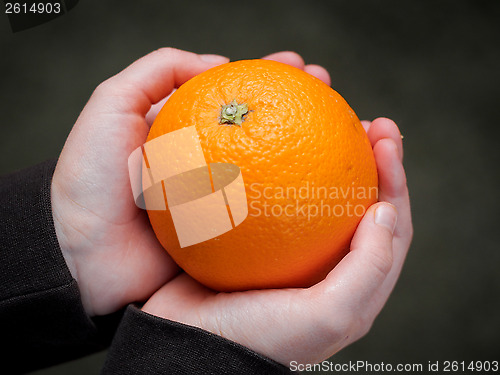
(151, 78)
(363, 270)
(112, 125)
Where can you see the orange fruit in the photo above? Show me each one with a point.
(307, 166)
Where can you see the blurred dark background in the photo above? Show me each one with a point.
(432, 66)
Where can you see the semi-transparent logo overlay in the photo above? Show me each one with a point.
(205, 200)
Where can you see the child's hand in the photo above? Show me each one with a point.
(310, 325)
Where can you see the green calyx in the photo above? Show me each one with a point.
(233, 113)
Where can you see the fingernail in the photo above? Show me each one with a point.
(214, 59)
(386, 216)
(366, 125)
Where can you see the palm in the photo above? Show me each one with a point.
(309, 325)
(256, 319)
(113, 253)
(117, 237)
(107, 241)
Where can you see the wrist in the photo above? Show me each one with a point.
(63, 237)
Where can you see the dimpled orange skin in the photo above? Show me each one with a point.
(298, 133)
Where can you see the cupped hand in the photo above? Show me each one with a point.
(106, 240)
(309, 325)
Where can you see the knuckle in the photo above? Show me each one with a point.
(381, 260)
(364, 326)
(362, 323)
(102, 88)
(345, 326)
(336, 328)
(165, 52)
(359, 325)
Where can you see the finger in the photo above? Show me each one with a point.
(152, 78)
(393, 188)
(366, 125)
(362, 271)
(385, 128)
(155, 109)
(392, 184)
(287, 57)
(318, 72)
(182, 294)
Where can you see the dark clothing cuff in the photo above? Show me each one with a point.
(42, 320)
(146, 344)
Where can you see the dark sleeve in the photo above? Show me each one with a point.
(148, 344)
(42, 320)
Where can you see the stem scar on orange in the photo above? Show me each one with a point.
(307, 165)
